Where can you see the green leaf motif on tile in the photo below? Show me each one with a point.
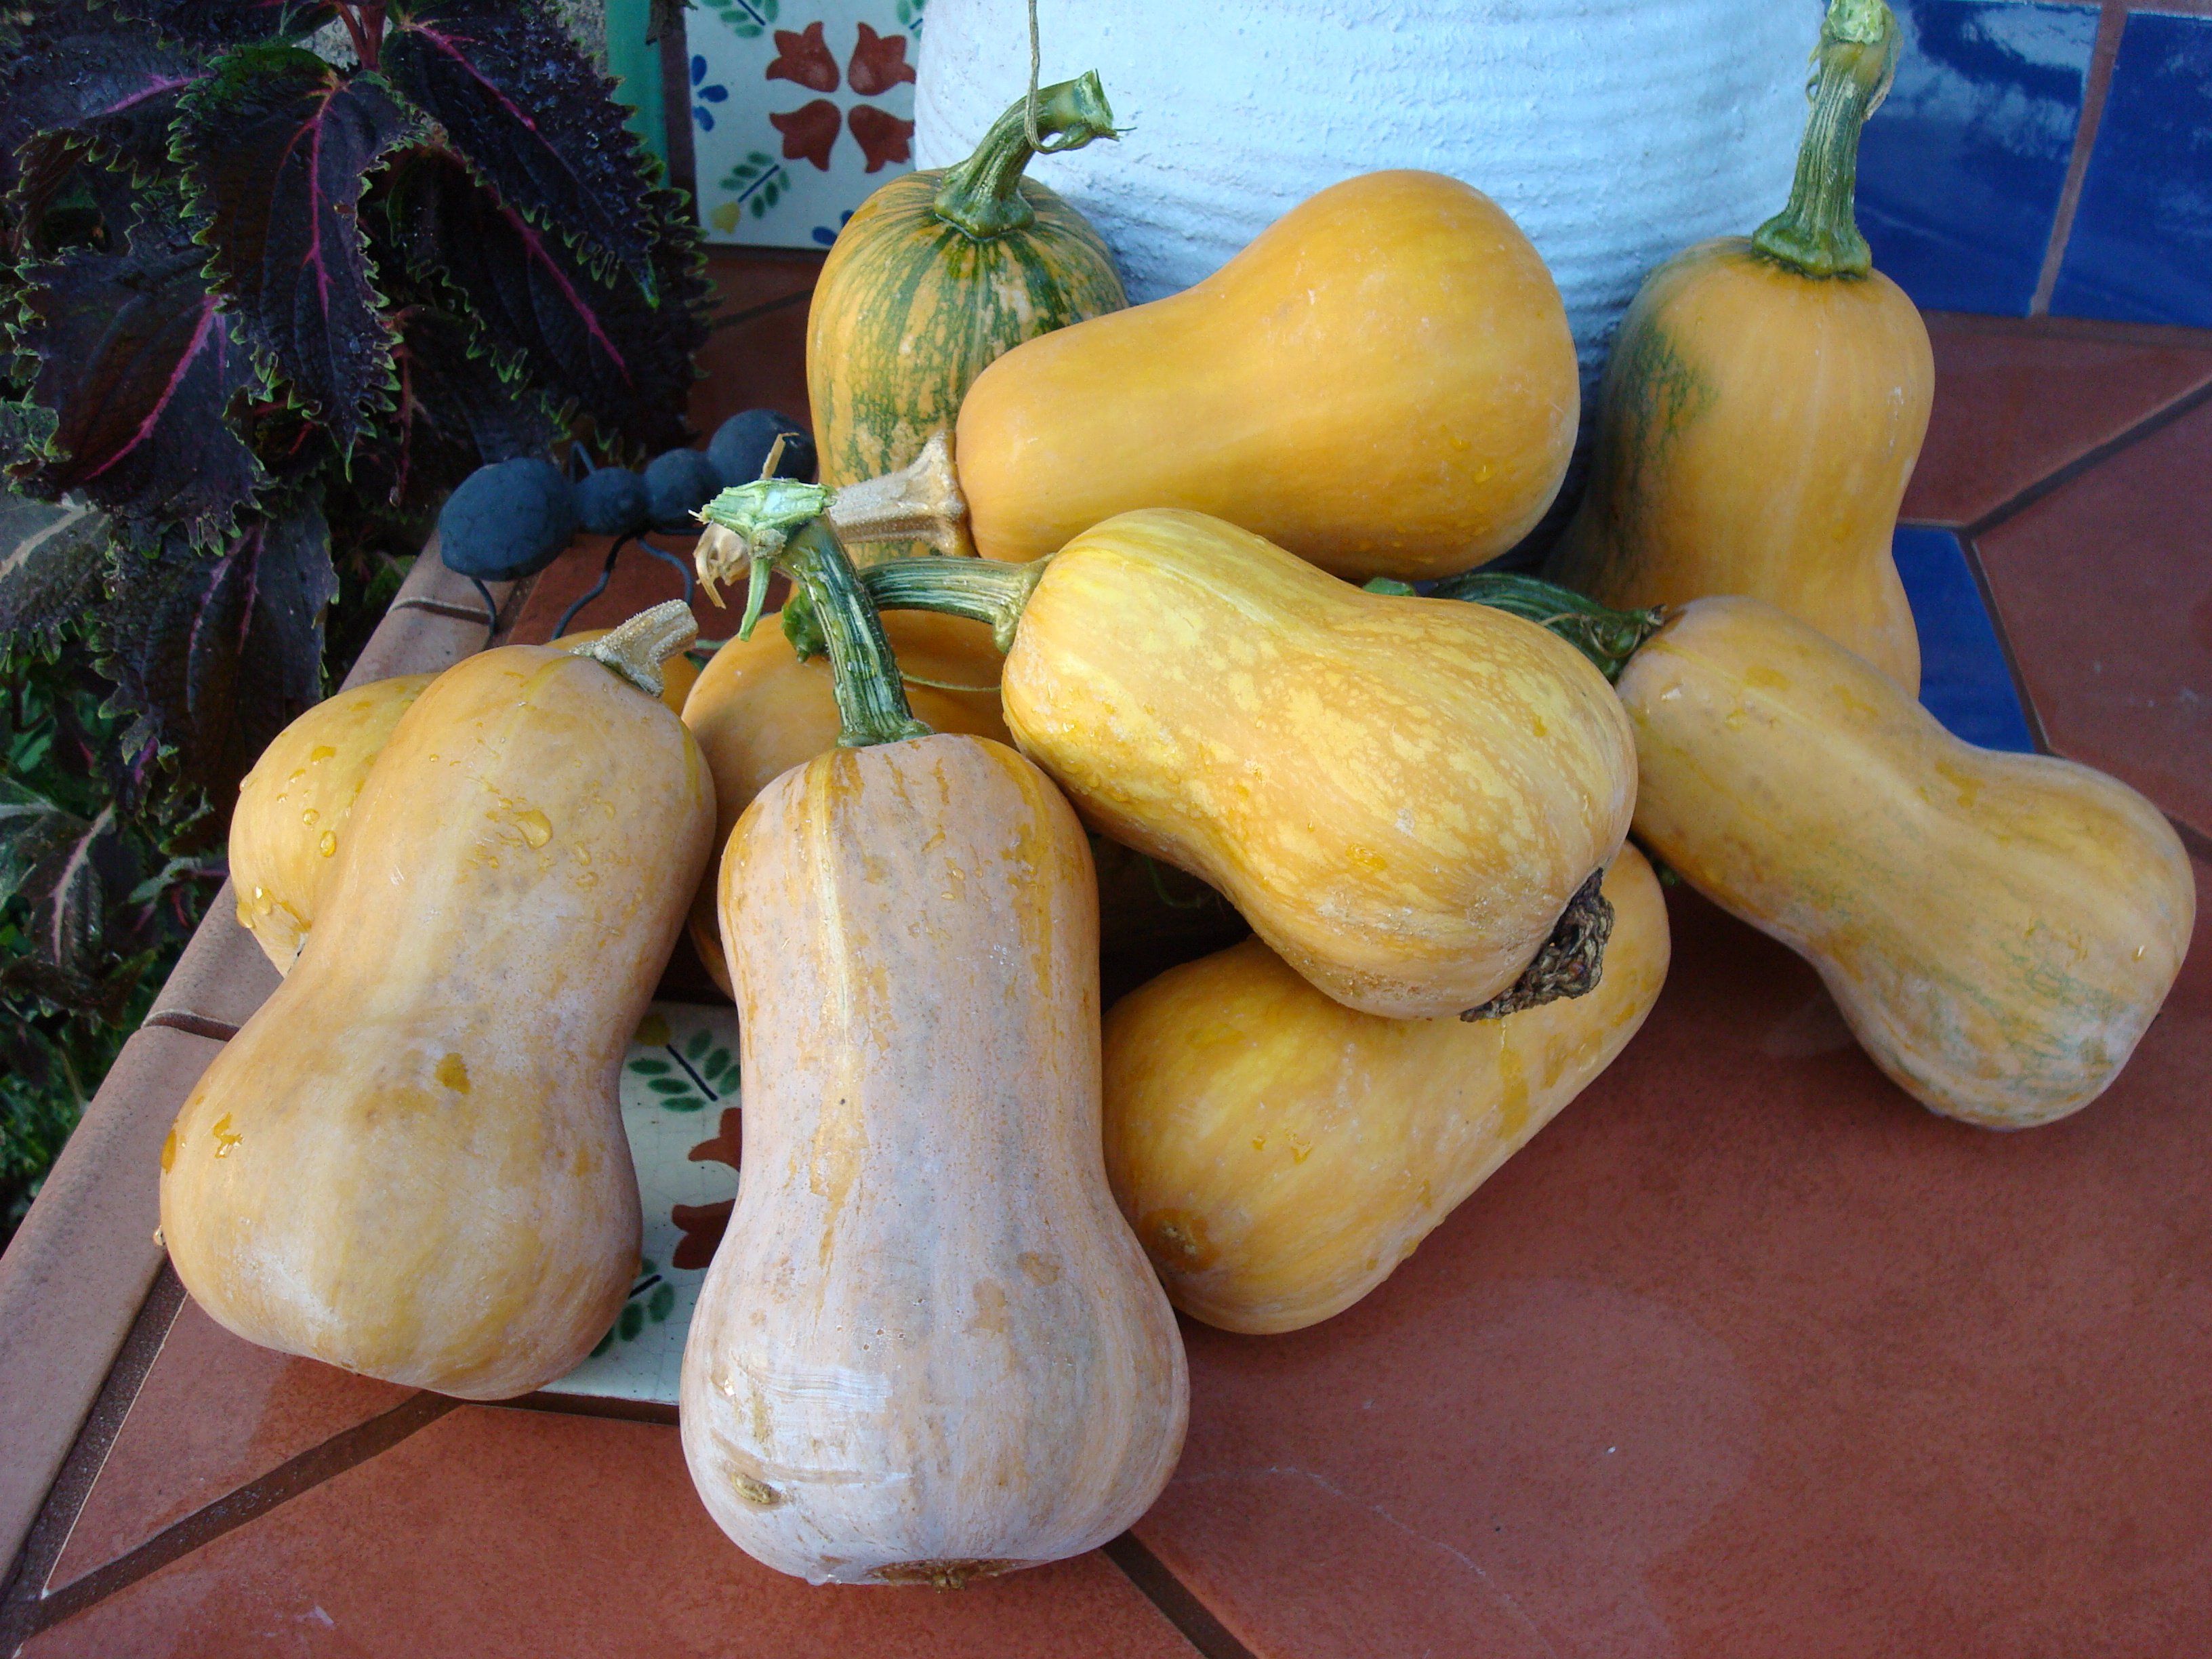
(649, 1065)
(697, 1046)
(631, 1323)
(669, 1086)
(661, 1303)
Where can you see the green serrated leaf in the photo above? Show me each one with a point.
(53, 559)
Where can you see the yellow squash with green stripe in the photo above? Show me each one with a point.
(939, 272)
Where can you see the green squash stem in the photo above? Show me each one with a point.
(1607, 637)
(778, 523)
(1817, 235)
(982, 195)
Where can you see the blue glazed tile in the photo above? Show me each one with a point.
(2142, 246)
(1961, 169)
(1965, 681)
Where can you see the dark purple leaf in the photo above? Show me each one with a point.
(139, 369)
(118, 87)
(216, 653)
(454, 411)
(219, 23)
(68, 870)
(534, 118)
(52, 556)
(278, 146)
(591, 337)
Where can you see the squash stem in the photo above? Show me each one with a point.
(777, 521)
(1818, 235)
(636, 649)
(872, 706)
(983, 195)
(920, 502)
(982, 590)
(1607, 637)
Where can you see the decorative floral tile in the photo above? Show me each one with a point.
(679, 1103)
(799, 110)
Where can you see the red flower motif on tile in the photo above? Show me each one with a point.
(804, 57)
(723, 1148)
(808, 133)
(882, 136)
(703, 1225)
(878, 63)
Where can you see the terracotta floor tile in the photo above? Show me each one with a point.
(495, 1533)
(213, 1413)
(2105, 587)
(1747, 1354)
(2015, 403)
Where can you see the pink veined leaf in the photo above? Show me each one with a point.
(279, 146)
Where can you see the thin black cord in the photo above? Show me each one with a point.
(682, 565)
(607, 575)
(491, 610)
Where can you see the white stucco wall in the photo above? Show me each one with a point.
(1615, 131)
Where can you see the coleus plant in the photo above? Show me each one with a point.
(260, 310)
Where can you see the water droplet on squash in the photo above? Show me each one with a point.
(310, 816)
(537, 828)
(454, 1071)
(225, 1137)
(168, 1152)
(321, 751)
(328, 844)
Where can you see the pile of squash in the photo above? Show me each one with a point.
(936, 1341)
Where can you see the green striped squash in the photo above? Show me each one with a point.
(936, 275)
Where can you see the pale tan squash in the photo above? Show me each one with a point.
(293, 806)
(411, 1162)
(928, 1348)
(1997, 929)
(1280, 1154)
(758, 710)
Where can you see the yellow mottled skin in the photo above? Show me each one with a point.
(1279, 1154)
(1997, 929)
(410, 1161)
(757, 711)
(1759, 428)
(928, 1346)
(1382, 382)
(289, 824)
(294, 806)
(1399, 794)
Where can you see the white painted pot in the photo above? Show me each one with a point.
(1615, 131)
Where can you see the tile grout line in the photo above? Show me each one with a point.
(2112, 23)
(24, 1587)
(2037, 733)
(2149, 425)
(23, 1620)
(1174, 1600)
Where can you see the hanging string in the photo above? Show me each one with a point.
(1066, 141)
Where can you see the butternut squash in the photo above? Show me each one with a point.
(294, 806)
(1383, 383)
(928, 1348)
(940, 271)
(410, 1161)
(758, 710)
(1402, 795)
(1766, 401)
(1279, 1155)
(1997, 929)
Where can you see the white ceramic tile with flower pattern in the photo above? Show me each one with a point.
(799, 110)
(679, 1105)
